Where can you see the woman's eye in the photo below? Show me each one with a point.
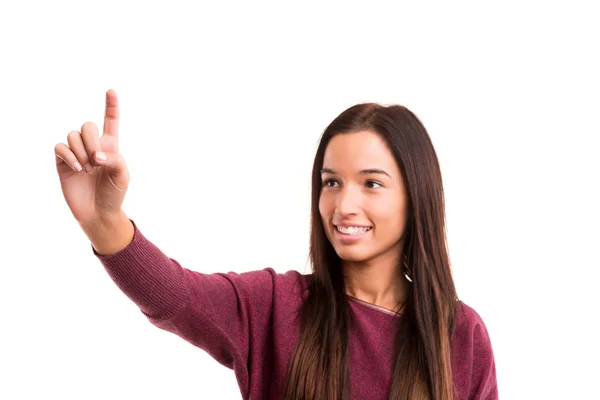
(330, 183)
(373, 185)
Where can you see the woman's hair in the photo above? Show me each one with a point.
(422, 366)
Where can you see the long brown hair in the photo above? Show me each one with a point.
(422, 370)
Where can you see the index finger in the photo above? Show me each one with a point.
(111, 114)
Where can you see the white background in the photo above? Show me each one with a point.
(222, 107)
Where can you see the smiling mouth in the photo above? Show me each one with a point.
(353, 230)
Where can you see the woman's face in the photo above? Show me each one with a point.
(363, 201)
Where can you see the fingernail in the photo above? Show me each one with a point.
(77, 166)
(100, 156)
(89, 167)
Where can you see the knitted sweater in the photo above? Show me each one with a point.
(246, 322)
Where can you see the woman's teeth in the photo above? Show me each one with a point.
(353, 230)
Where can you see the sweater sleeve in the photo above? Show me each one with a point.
(474, 357)
(225, 314)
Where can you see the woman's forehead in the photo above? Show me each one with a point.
(357, 151)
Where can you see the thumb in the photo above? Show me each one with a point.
(113, 162)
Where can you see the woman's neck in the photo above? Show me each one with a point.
(378, 283)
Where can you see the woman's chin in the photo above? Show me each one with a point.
(352, 255)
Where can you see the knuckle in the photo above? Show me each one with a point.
(73, 139)
(73, 135)
(88, 126)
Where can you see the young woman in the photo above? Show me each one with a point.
(378, 317)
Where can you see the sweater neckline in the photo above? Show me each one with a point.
(374, 306)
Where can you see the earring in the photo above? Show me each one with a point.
(407, 270)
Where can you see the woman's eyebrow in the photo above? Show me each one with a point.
(364, 171)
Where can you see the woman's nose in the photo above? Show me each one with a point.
(348, 201)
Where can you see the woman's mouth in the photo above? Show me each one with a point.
(347, 235)
(353, 230)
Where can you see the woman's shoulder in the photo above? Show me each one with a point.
(473, 356)
(283, 280)
(466, 316)
(471, 338)
(469, 324)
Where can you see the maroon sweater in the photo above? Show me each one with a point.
(246, 322)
